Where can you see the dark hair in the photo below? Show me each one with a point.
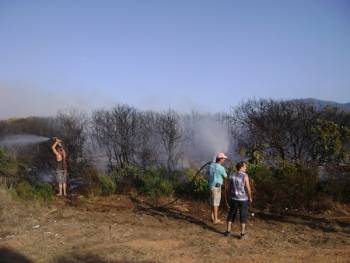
(239, 165)
(218, 159)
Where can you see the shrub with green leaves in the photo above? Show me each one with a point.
(195, 188)
(154, 183)
(40, 192)
(108, 186)
(286, 186)
(43, 192)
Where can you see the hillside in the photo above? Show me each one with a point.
(323, 103)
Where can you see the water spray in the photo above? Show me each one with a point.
(22, 140)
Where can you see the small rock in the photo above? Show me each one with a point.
(36, 226)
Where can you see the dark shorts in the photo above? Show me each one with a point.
(242, 206)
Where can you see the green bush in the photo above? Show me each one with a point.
(285, 186)
(336, 183)
(195, 187)
(127, 174)
(9, 168)
(154, 183)
(43, 192)
(40, 192)
(108, 186)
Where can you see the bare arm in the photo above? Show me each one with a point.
(57, 154)
(53, 147)
(247, 184)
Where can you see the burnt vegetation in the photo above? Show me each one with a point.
(298, 154)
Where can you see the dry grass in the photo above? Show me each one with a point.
(130, 229)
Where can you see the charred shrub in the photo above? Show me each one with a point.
(336, 182)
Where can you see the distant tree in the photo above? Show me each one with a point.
(169, 128)
(148, 150)
(277, 128)
(331, 142)
(116, 132)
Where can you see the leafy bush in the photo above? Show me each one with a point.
(43, 192)
(195, 188)
(154, 183)
(39, 192)
(9, 168)
(108, 186)
(336, 184)
(287, 186)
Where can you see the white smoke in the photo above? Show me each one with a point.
(206, 136)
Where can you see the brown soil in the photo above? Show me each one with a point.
(130, 229)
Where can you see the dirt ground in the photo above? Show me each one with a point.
(130, 229)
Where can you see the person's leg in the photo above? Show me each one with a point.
(242, 229)
(213, 218)
(64, 189)
(243, 216)
(64, 183)
(216, 217)
(217, 199)
(229, 224)
(60, 186)
(212, 214)
(231, 215)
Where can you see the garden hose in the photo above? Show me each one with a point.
(193, 179)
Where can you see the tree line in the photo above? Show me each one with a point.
(285, 142)
(261, 131)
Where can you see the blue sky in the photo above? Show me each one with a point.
(183, 54)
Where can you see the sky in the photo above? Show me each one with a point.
(186, 54)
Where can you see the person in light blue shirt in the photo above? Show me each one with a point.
(216, 175)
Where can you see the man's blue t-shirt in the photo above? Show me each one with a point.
(216, 173)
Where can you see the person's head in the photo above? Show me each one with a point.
(220, 158)
(59, 148)
(241, 166)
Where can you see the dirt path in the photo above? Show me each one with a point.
(126, 229)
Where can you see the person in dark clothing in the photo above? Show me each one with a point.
(240, 196)
(61, 166)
